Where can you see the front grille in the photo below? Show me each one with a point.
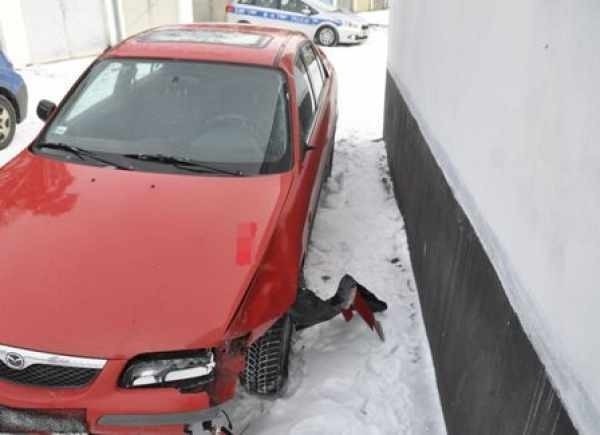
(42, 375)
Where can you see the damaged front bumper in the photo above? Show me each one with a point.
(102, 407)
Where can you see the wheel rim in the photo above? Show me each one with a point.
(327, 36)
(5, 124)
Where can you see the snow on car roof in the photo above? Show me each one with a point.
(242, 39)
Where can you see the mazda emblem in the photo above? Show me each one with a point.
(15, 361)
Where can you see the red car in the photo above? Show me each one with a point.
(153, 235)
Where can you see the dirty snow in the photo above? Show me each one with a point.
(343, 380)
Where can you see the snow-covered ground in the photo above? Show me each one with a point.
(343, 379)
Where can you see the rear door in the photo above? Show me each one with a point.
(286, 14)
(317, 109)
(298, 15)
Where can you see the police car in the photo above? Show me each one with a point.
(323, 23)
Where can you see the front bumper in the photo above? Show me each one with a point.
(353, 35)
(105, 408)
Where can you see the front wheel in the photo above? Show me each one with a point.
(327, 36)
(8, 122)
(267, 360)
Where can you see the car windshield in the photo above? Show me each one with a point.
(227, 116)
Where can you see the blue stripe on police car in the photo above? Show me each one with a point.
(280, 16)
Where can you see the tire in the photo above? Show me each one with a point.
(267, 360)
(8, 122)
(327, 36)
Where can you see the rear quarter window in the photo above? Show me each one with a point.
(314, 68)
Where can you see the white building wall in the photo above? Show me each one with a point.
(508, 95)
(139, 15)
(13, 36)
(61, 29)
(213, 10)
(33, 31)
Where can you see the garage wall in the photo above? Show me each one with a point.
(60, 29)
(507, 97)
(33, 31)
(209, 10)
(140, 15)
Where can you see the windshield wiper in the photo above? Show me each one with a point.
(183, 163)
(81, 153)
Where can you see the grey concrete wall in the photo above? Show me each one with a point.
(491, 380)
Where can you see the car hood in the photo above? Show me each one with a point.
(106, 263)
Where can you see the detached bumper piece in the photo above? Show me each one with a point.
(350, 298)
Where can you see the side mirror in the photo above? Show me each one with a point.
(307, 11)
(45, 108)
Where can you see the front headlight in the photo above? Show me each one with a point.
(351, 24)
(183, 370)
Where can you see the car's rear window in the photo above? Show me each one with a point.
(231, 116)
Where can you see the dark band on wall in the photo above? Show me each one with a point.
(490, 379)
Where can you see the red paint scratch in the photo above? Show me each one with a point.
(245, 243)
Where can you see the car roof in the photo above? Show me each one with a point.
(233, 43)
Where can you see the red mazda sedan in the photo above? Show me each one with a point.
(153, 235)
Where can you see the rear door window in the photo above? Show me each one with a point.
(269, 4)
(305, 98)
(297, 6)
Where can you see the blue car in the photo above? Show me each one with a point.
(13, 101)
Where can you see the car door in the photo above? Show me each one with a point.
(298, 15)
(317, 108)
(259, 12)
